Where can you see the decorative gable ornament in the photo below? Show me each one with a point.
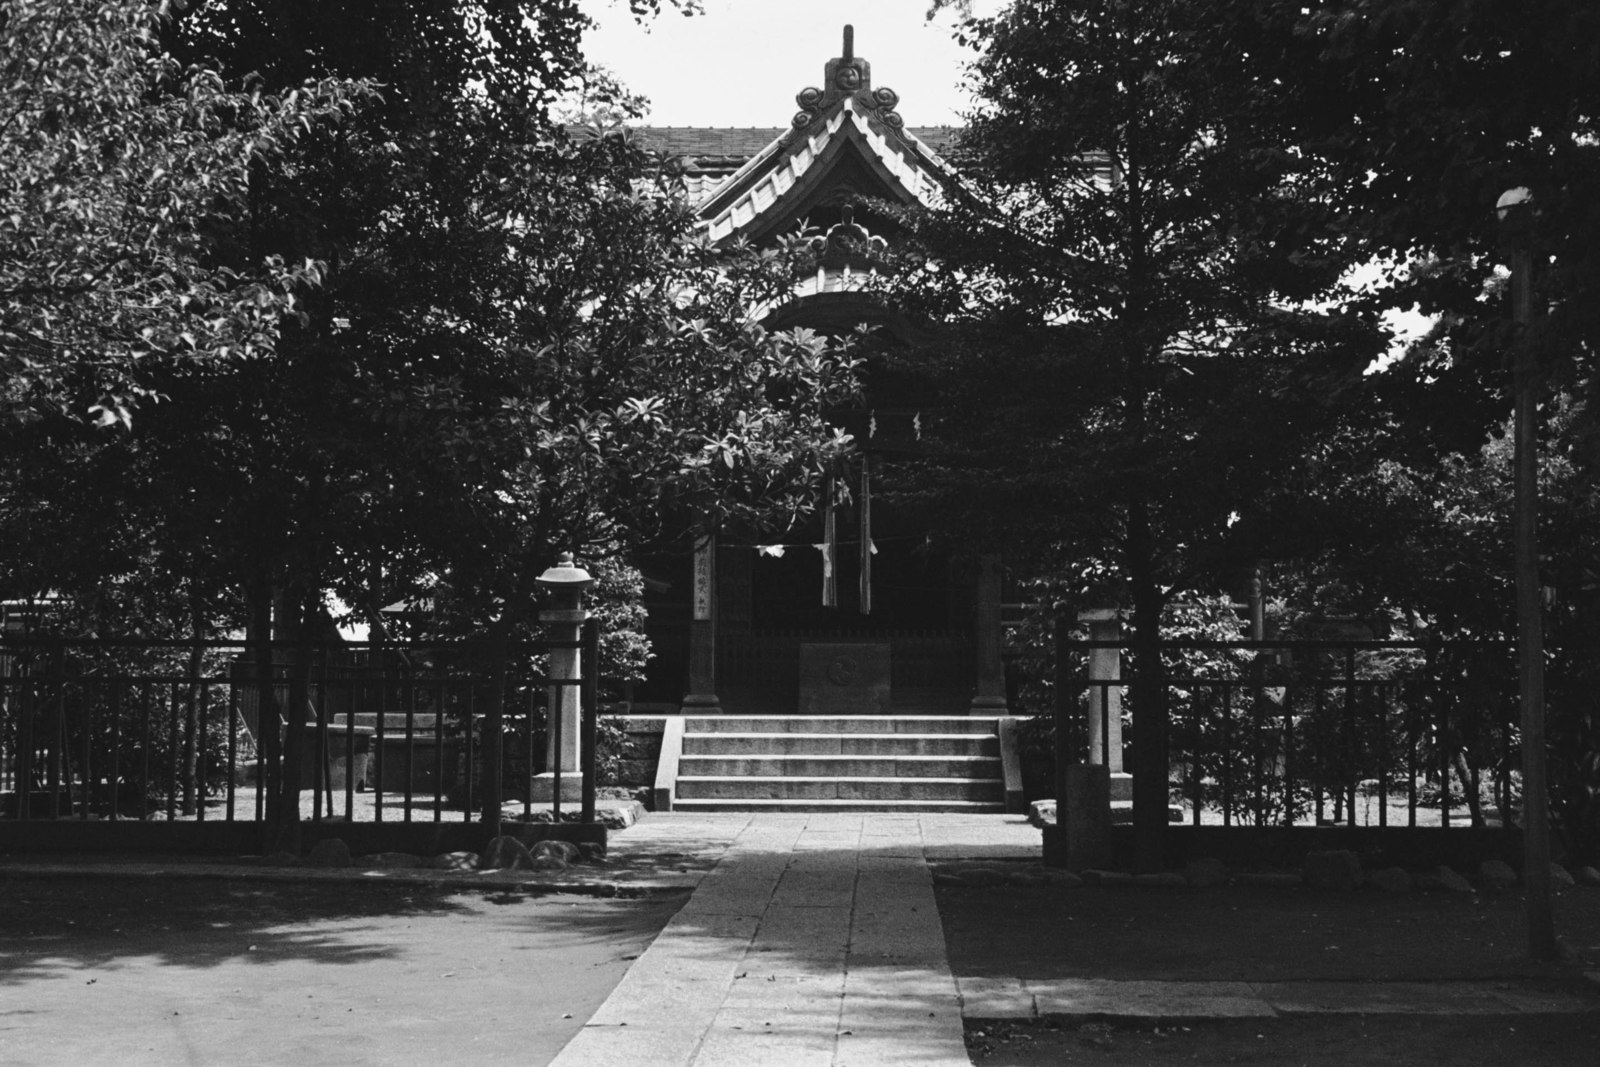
(846, 77)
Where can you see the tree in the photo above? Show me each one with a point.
(1127, 278)
(116, 164)
(520, 345)
(1445, 106)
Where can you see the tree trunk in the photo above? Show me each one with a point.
(1470, 785)
(1149, 698)
(293, 617)
(493, 727)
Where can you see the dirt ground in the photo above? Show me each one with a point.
(1299, 1041)
(137, 971)
(1262, 934)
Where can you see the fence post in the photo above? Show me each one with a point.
(56, 732)
(1351, 742)
(590, 706)
(493, 719)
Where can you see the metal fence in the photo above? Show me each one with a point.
(143, 730)
(1286, 733)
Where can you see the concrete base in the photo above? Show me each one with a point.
(544, 788)
(1081, 838)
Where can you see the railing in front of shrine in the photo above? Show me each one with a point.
(145, 730)
(1285, 733)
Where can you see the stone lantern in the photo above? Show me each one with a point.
(563, 622)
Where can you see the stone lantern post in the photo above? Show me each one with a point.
(563, 622)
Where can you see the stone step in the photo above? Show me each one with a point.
(974, 807)
(855, 744)
(738, 787)
(841, 724)
(837, 766)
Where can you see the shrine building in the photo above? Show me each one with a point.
(853, 614)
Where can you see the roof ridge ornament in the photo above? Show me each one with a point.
(846, 77)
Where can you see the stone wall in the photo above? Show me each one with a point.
(637, 768)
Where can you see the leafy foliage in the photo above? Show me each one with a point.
(117, 166)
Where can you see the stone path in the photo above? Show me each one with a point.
(815, 940)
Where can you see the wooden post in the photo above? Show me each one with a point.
(990, 697)
(702, 695)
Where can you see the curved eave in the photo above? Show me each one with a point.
(779, 178)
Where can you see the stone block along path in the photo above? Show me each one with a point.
(815, 939)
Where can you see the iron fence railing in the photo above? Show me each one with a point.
(206, 730)
(1287, 733)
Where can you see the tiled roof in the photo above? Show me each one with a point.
(748, 195)
(725, 148)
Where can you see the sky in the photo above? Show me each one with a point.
(742, 61)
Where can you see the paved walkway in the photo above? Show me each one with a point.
(815, 940)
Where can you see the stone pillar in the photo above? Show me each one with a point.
(1105, 722)
(564, 701)
(702, 695)
(990, 698)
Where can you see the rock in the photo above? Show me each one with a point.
(1031, 876)
(329, 852)
(280, 859)
(565, 851)
(1205, 873)
(620, 814)
(592, 851)
(948, 878)
(981, 876)
(1450, 881)
(1269, 879)
(1096, 877)
(1391, 880)
(1497, 874)
(1588, 876)
(389, 859)
(505, 854)
(1061, 879)
(1042, 813)
(1338, 870)
(452, 861)
(1560, 878)
(547, 861)
(1162, 880)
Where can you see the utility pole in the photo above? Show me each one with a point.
(1516, 212)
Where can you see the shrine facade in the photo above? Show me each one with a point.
(854, 611)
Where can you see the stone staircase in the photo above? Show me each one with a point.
(835, 763)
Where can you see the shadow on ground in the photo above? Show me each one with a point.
(53, 924)
(1254, 934)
